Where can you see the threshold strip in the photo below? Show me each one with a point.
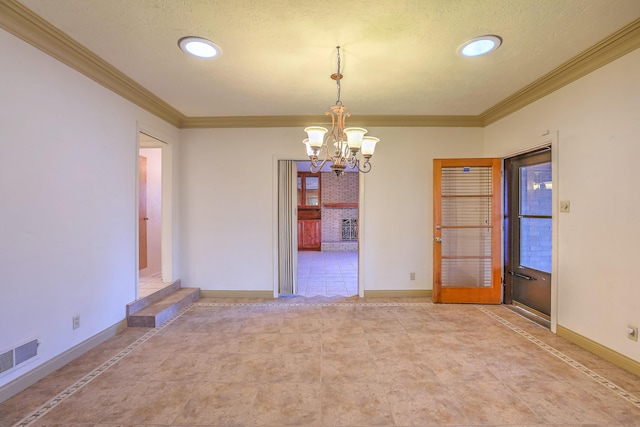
(568, 360)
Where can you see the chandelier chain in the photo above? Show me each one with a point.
(338, 76)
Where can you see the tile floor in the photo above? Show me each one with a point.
(327, 273)
(333, 362)
(150, 284)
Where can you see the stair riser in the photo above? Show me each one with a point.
(157, 319)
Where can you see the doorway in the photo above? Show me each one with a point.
(327, 233)
(528, 233)
(150, 218)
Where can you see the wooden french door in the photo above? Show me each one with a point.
(142, 213)
(466, 230)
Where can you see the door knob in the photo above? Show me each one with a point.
(438, 240)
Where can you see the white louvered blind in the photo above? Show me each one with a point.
(466, 226)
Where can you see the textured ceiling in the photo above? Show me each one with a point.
(399, 56)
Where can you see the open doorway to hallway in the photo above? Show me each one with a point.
(327, 233)
(150, 216)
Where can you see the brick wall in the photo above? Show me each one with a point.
(338, 190)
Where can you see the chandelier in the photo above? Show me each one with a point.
(341, 145)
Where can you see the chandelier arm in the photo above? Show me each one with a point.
(314, 164)
(366, 167)
(352, 162)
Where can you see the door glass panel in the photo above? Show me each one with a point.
(311, 194)
(535, 216)
(535, 189)
(466, 205)
(535, 243)
(463, 272)
(299, 190)
(466, 211)
(466, 242)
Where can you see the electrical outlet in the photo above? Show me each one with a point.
(632, 333)
(565, 206)
(76, 322)
(412, 276)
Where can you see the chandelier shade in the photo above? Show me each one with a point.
(340, 146)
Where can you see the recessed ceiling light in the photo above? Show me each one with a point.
(198, 46)
(480, 45)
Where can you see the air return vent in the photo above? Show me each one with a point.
(18, 355)
(6, 361)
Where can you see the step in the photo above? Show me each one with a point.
(156, 313)
(154, 297)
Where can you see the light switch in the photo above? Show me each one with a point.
(565, 206)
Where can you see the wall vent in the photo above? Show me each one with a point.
(6, 361)
(18, 355)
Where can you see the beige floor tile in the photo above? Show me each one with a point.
(297, 343)
(148, 403)
(403, 367)
(489, 402)
(349, 367)
(423, 404)
(236, 367)
(335, 342)
(398, 342)
(360, 404)
(292, 368)
(286, 404)
(226, 404)
(458, 366)
(342, 326)
(381, 325)
(301, 325)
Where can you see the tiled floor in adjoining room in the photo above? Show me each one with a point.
(327, 273)
(333, 362)
(151, 284)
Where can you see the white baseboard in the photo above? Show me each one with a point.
(33, 376)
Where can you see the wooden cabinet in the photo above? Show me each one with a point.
(309, 234)
(309, 213)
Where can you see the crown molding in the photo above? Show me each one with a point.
(301, 121)
(26, 25)
(623, 41)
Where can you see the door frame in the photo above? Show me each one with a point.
(548, 139)
(166, 229)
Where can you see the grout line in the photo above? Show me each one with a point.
(568, 360)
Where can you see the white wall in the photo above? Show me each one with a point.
(68, 155)
(227, 205)
(598, 120)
